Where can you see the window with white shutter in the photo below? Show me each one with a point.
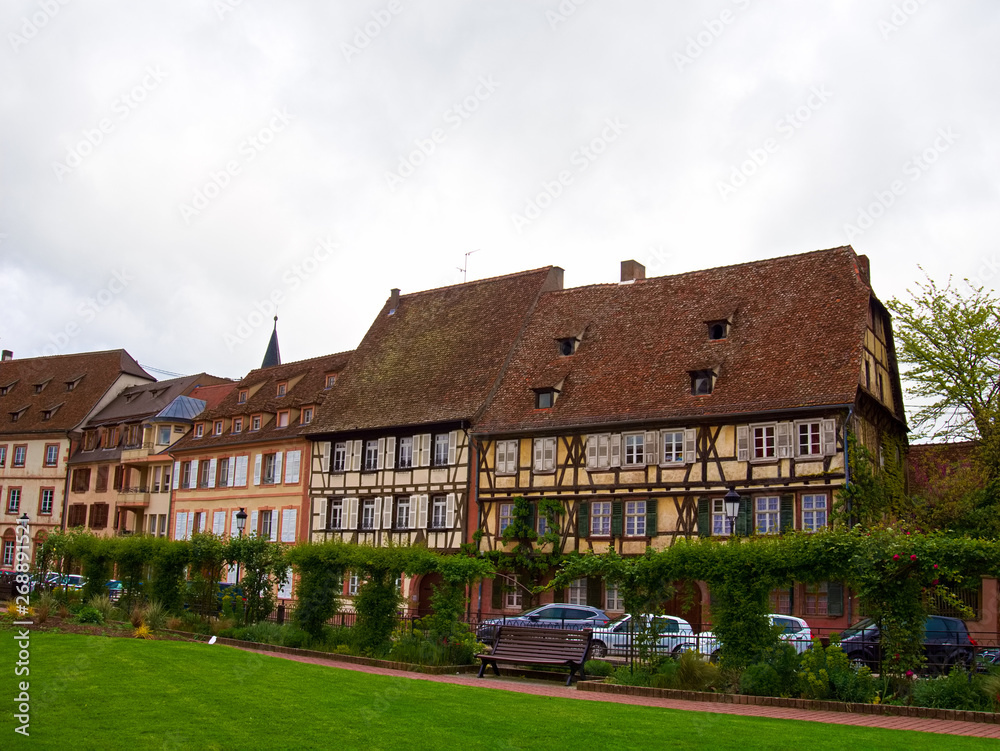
(252, 530)
(177, 475)
(592, 442)
(257, 461)
(180, 525)
(690, 445)
(743, 443)
(232, 471)
(650, 447)
(422, 511)
(413, 504)
(615, 450)
(635, 449)
(390, 452)
(829, 428)
(450, 511)
(193, 477)
(784, 433)
(424, 450)
(320, 505)
(324, 456)
(292, 461)
(356, 455)
(387, 512)
(380, 458)
(377, 516)
(352, 513)
(212, 464)
(240, 480)
(672, 447)
(190, 526)
(453, 447)
(233, 529)
(219, 523)
(288, 521)
(278, 460)
(285, 590)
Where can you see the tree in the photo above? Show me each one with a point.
(950, 342)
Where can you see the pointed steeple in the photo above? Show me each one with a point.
(273, 355)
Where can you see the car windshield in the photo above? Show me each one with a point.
(857, 628)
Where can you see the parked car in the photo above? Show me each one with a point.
(114, 590)
(70, 581)
(794, 630)
(553, 615)
(674, 635)
(946, 643)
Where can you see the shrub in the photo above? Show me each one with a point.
(90, 615)
(957, 690)
(761, 679)
(153, 615)
(263, 632)
(990, 686)
(102, 603)
(142, 631)
(666, 674)
(598, 668)
(627, 676)
(697, 674)
(295, 637)
(774, 673)
(828, 674)
(136, 615)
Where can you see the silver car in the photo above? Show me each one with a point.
(673, 635)
(795, 631)
(553, 615)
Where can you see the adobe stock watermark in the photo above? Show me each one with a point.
(225, 7)
(122, 106)
(33, 24)
(914, 168)
(713, 29)
(901, 14)
(656, 260)
(986, 273)
(562, 13)
(292, 278)
(365, 33)
(219, 180)
(86, 313)
(787, 126)
(22, 635)
(455, 117)
(581, 158)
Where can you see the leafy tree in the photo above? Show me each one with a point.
(264, 566)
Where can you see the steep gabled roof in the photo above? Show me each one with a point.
(434, 356)
(795, 336)
(55, 394)
(148, 399)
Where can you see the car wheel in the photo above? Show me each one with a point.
(598, 649)
(857, 660)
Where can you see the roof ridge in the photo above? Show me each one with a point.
(501, 277)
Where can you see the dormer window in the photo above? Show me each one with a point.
(718, 330)
(282, 419)
(16, 415)
(702, 382)
(4, 390)
(42, 385)
(255, 422)
(70, 385)
(545, 398)
(237, 424)
(242, 396)
(282, 388)
(217, 428)
(331, 378)
(567, 346)
(199, 430)
(307, 415)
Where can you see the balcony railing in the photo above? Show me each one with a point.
(134, 496)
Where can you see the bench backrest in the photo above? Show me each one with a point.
(552, 643)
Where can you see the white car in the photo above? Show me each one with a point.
(674, 635)
(795, 631)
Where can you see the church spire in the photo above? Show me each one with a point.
(273, 355)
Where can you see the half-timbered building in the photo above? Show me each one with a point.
(638, 405)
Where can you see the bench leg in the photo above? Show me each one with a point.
(482, 669)
(572, 672)
(496, 669)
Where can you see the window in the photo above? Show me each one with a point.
(545, 398)
(157, 479)
(612, 600)
(90, 440)
(237, 424)
(20, 453)
(46, 500)
(13, 500)
(702, 382)
(512, 595)
(331, 379)
(335, 517)
(600, 518)
(267, 469)
(166, 479)
(111, 436)
(371, 455)
(817, 600)
(441, 449)
(99, 516)
(718, 330)
(541, 523)
(81, 480)
(403, 512)
(439, 511)
(544, 453)
(222, 475)
(405, 460)
(51, 454)
(506, 458)
(352, 584)
(635, 518)
(76, 515)
(121, 477)
(307, 415)
(266, 524)
(203, 473)
(721, 524)
(199, 430)
(766, 514)
(368, 514)
(242, 396)
(813, 512)
(70, 385)
(634, 449)
(255, 422)
(567, 346)
(282, 388)
(764, 446)
(673, 446)
(217, 428)
(185, 475)
(282, 421)
(133, 436)
(506, 516)
(163, 435)
(3, 456)
(8, 552)
(781, 601)
(576, 592)
(878, 384)
(339, 456)
(810, 439)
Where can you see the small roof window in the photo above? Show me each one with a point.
(567, 345)
(718, 330)
(702, 382)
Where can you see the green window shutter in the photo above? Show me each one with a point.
(583, 520)
(744, 521)
(651, 517)
(594, 591)
(616, 518)
(497, 593)
(704, 517)
(559, 593)
(835, 598)
(786, 514)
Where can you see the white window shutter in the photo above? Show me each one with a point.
(829, 435)
(380, 459)
(288, 519)
(424, 440)
(193, 479)
(233, 530)
(293, 460)
(390, 452)
(548, 454)
(285, 590)
(212, 466)
(453, 447)
(231, 575)
(742, 443)
(649, 446)
(501, 456)
(180, 525)
(324, 459)
(190, 525)
(377, 516)
(241, 471)
(783, 432)
(603, 451)
(322, 504)
(450, 512)
(422, 511)
(690, 445)
(356, 455)
(177, 479)
(615, 449)
(592, 441)
(538, 458)
(252, 531)
(256, 469)
(412, 521)
(274, 525)
(277, 467)
(352, 513)
(219, 523)
(387, 512)
(232, 471)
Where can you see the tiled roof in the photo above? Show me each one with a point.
(306, 381)
(795, 340)
(437, 357)
(93, 373)
(148, 399)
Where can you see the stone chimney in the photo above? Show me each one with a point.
(632, 270)
(7, 355)
(864, 270)
(393, 300)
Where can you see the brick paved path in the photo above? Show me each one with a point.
(545, 688)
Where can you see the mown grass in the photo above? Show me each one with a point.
(99, 692)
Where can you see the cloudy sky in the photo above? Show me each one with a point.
(167, 170)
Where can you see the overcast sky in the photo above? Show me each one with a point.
(168, 168)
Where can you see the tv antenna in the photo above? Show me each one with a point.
(465, 269)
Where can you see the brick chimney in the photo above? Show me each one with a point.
(632, 270)
(393, 300)
(864, 269)
(7, 355)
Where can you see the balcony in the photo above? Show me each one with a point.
(133, 497)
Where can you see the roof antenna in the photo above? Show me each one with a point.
(465, 269)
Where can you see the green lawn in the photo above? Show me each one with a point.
(96, 692)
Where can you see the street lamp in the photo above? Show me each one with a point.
(731, 502)
(241, 522)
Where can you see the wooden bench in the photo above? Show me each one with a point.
(524, 645)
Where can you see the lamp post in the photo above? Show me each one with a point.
(731, 502)
(241, 522)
